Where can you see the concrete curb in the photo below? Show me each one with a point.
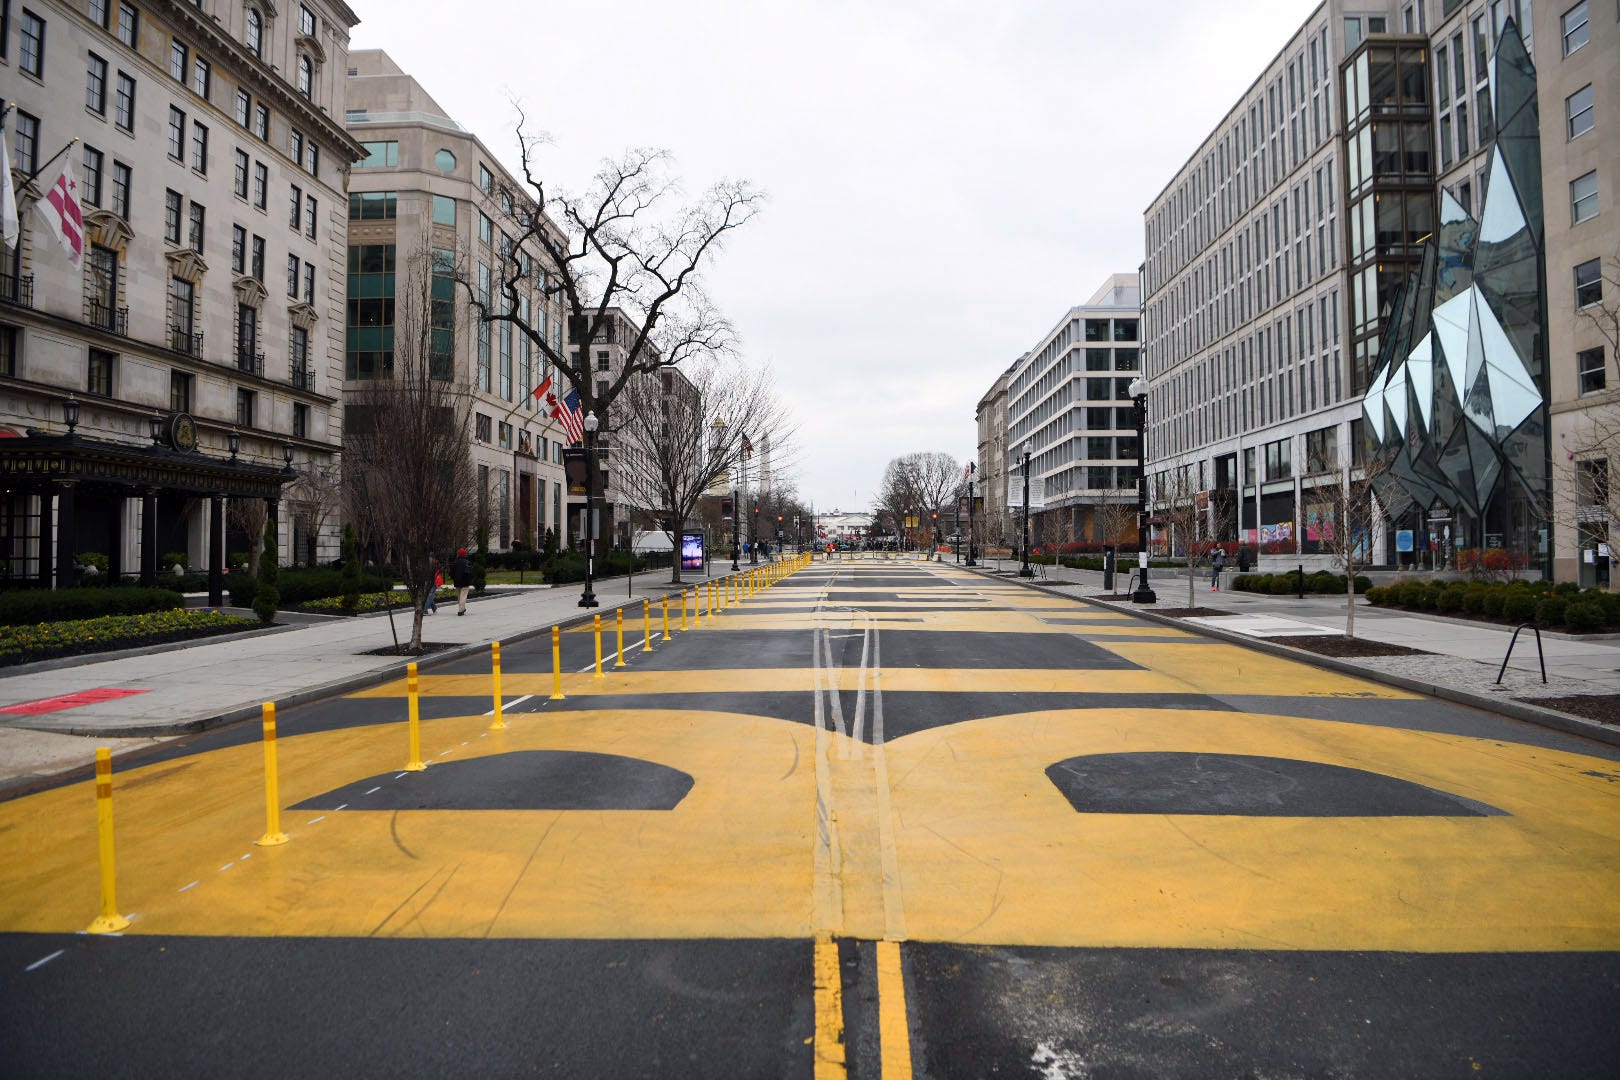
(348, 684)
(1517, 710)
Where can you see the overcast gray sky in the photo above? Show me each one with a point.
(946, 179)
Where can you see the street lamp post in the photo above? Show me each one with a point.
(736, 525)
(972, 468)
(1029, 448)
(588, 598)
(753, 534)
(1143, 594)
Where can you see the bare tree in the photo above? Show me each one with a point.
(314, 499)
(1346, 511)
(249, 515)
(918, 483)
(408, 444)
(1176, 504)
(623, 242)
(682, 434)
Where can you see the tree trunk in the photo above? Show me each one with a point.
(1349, 600)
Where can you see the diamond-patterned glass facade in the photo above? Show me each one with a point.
(1456, 408)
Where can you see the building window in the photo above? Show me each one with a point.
(1583, 198)
(309, 283)
(91, 195)
(314, 158)
(444, 210)
(306, 21)
(445, 160)
(129, 24)
(256, 265)
(120, 189)
(8, 351)
(27, 142)
(95, 85)
(310, 215)
(182, 296)
(199, 147)
(1576, 31)
(370, 337)
(1279, 465)
(123, 102)
(483, 425)
(486, 179)
(292, 275)
(99, 13)
(247, 338)
(298, 354)
(173, 208)
(238, 249)
(261, 122)
(244, 407)
(202, 77)
(1578, 111)
(99, 379)
(1589, 283)
(255, 32)
(373, 205)
(300, 427)
(601, 360)
(504, 431)
(177, 133)
(296, 144)
(240, 180)
(197, 215)
(31, 51)
(104, 287)
(1322, 450)
(179, 391)
(1590, 367)
(179, 60)
(306, 76)
(379, 155)
(295, 207)
(244, 107)
(486, 228)
(261, 185)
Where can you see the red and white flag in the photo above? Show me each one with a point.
(60, 209)
(564, 410)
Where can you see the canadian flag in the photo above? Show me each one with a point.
(60, 209)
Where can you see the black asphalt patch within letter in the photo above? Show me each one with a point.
(521, 780)
(1192, 783)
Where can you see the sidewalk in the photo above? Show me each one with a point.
(188, 687)
(1464, 656)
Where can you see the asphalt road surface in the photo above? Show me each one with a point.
(881, 819)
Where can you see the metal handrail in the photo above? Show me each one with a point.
(1514, 641)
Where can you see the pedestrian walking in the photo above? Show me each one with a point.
(1243, 558)
(430, 602)
(462, 575)
(1217, 563)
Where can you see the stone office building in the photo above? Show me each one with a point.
(426, 190)
(194, 358)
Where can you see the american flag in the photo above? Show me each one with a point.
(60, 209)
(565, 411)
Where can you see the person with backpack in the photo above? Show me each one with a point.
(1217, 563)
(461, 574)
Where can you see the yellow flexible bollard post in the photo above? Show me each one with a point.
(109, 921)
(646, 626)
(556, 664)
(272, 783)
(666, 616)
(596, 623)
(683, 609)
(709, 592)
(618, 613)
(411, 684)
(495, 670)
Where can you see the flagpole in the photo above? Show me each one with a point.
(50, 160)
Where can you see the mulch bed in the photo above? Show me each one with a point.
(1186, 612)
(1337, 645)
(90, 648)
(1604, 708)
(404, 649)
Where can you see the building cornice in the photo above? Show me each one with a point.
(270, 83)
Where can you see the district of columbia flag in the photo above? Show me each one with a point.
(60, 209)
(10, 227)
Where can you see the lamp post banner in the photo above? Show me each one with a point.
(1037, 497)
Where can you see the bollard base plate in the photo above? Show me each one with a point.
(416, 766)
(108, 924)
(271, 839)
(499, 725)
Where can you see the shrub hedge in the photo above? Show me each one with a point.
(1322, 581)
(45, 641)
(24, 607)
(1564, 604)
(298, 587)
